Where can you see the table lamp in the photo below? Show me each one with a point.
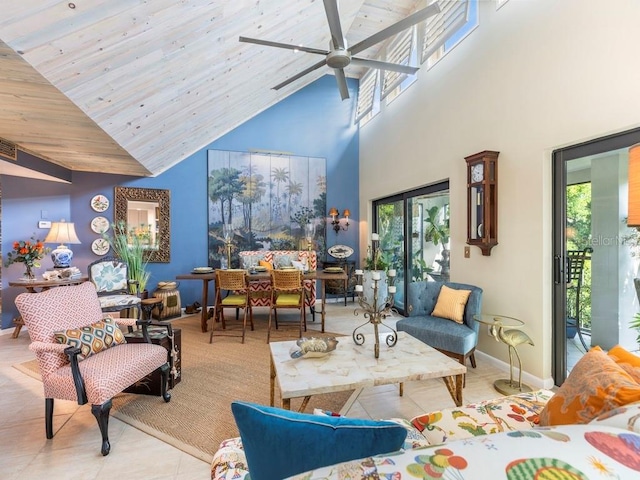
(62, 232)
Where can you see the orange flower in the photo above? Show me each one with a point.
(24, 251)
(16, 245)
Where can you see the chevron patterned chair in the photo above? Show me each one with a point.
(82, 355)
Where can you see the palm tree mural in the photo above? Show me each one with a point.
(264, 197)
(279, 176)
(224, 185)
(253, 191)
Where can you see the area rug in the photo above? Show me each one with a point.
(199, 417)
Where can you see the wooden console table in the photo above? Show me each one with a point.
(42, 285)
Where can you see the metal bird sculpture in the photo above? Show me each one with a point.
(512, 338)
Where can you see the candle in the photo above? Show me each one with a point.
(375, 237)
(358, 288)
(375, 275)
(392, 272)
(359, 272)
(392, 289)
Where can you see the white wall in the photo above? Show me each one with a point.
(536, 75)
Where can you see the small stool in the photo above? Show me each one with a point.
(148, 304)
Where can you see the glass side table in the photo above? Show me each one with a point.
(512, 337)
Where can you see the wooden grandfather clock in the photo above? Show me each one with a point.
(482, 200)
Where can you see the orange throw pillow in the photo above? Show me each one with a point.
(265, 264)
(596, 385)
(451, 303)
(627, 360)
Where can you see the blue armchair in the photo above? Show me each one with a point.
(453, 339)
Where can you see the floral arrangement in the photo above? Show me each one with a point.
(29, 252)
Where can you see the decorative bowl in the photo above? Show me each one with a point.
(310, 347)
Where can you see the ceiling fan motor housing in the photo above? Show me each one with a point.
(338, 58)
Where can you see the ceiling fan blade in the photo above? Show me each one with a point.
(301, 74)
(398, 27)
(333, 17)
(395, 67)
(341, 78)
(283, 45)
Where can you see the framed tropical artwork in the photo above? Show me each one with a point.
(267, 199)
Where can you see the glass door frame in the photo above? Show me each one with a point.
(560, 158)
(405, 197)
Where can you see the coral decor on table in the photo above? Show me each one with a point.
(29, 252)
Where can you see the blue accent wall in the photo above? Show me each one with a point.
(311, 122)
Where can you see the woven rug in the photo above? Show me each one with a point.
(199, 417)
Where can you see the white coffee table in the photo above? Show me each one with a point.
(352, 366)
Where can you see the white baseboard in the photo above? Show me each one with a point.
(532, 381)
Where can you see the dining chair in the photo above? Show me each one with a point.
(287, 291)
(232, 291)
(116, 291)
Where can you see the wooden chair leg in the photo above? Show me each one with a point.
(48, 416)
(165, 371)
(101, 412)
(472, 358)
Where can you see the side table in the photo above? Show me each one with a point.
(33, 284)
(148, 304)
(512, 338)
(171, 339)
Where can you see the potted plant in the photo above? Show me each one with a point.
(130, 248)
(635, 324)
(437, 232)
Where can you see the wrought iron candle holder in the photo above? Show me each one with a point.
(377, 310)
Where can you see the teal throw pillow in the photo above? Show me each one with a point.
(279, 443)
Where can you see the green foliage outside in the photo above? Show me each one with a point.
(578, 238)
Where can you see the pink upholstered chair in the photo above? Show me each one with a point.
(99, 376)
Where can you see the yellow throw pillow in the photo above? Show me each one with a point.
(265, 264)
(596, 385)
(627, 360)
(451, 303)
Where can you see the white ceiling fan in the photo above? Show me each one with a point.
(339, 56)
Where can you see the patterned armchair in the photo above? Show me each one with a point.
(110, 276)
(82, 355)
(261, 291)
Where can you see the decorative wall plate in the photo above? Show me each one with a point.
(99, 203)
(100, 246)
(100, 224)
(340, 251)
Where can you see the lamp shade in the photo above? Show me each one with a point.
(633, 215)
(61, 233)
(333, 212)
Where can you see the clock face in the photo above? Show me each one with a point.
(477, 172)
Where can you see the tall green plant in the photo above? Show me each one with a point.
(129, 248)
(436, 229)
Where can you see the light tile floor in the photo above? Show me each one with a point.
(25, 453)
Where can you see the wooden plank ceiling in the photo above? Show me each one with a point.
(128, 87)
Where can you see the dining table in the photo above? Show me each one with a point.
(207, 277)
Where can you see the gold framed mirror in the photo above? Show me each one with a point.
(146, 212)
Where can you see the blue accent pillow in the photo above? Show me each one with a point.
(279, 443)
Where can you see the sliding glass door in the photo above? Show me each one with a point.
(596, 256)
(414, 235)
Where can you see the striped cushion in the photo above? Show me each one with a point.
(451, 303)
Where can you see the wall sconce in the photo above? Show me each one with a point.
(633, 214)
(335, 221)
(62, 232)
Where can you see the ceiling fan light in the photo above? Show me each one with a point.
(338, 58)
